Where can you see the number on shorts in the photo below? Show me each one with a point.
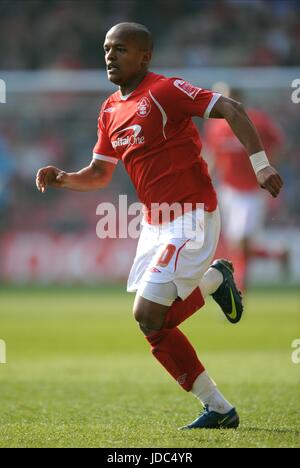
(166, 256)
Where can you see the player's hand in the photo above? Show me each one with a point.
(269, 179)
(49, 176)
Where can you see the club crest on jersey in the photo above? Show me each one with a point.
(181, 379)
(187, 88)
(143, 107)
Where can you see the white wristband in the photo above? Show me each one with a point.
(259, 161)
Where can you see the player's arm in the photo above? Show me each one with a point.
(97, 175)
(236, 116)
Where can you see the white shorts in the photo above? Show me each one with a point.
(243, 213)
(165, 254)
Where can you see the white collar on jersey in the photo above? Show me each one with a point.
(126, 96)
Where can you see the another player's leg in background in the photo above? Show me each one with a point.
(279, 255)
(244, 251)
(239, 254)
(243, 218)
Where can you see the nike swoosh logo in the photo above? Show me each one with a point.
(233, 313)
(223, 420)
(136, 129)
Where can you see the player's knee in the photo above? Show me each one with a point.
(150, 311)
(147, 331)
(147, 318)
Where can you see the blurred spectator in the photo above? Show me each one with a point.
(7, 170)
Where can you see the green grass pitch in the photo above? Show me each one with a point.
(79, 373)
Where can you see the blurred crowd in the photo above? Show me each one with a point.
(60, 130)
(68, 34)
(57, 129)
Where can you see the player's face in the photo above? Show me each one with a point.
(124, 59)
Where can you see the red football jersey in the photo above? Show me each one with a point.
(152, 132)
(232, 162)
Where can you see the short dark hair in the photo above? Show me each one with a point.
(139, 32)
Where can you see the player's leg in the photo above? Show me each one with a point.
(238, 251)
(238, 214)
(152, 303)
(157, 307)
(280, 255)
(193, 266)
(185, 267)
(189, 269)
(244, 215)
(176, 354)
(169, 346)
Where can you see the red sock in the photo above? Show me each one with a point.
(181, 310)
(176, 354)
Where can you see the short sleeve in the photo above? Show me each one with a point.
(182, 99)
(103, 150)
